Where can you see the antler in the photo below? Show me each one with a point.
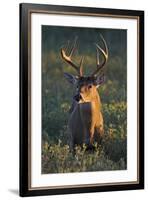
(68, 57)
(105, 55)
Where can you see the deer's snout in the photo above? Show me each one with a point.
(77, 97)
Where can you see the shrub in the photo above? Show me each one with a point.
(58, 158)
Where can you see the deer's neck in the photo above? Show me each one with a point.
(96, 101)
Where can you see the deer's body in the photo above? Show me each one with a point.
(86, 120)
(86, 123)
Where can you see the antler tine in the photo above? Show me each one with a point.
(105, 45)
(68, 57)
(81, 66)
(74, 46)
(105, 55)
(67, 46)
(97, 57)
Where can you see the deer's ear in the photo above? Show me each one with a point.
(100, 80)
(71, 79)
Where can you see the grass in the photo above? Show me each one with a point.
(57, 158)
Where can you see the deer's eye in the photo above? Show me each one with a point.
(90, 86)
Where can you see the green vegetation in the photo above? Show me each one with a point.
(58, 158)
(57, 95)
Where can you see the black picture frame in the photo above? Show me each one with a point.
(25, 94)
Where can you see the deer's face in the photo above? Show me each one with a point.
(86, 87)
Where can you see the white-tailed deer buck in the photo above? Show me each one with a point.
(86, 120)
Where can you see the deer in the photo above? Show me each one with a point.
(85, 124)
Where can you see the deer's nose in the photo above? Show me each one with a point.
(77, 97)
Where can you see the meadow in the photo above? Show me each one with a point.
(57, 96)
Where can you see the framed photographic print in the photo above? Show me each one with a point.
(81, 99)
